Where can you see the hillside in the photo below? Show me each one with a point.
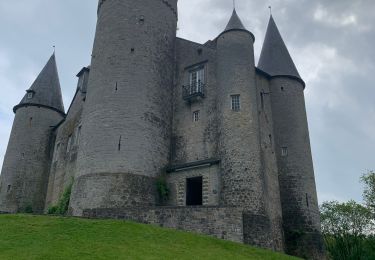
(43, 237)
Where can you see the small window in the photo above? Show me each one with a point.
(69, 146)
(236, 105)
(307, 200)
(9, 187)
(284, 151)
(196, 116)
(262, 99)
(56, 152)
(78, 135)
(30, 95)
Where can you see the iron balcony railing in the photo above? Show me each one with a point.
(193, 91)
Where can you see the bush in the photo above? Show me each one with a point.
(63, 204)
(162, 189)
(28, 209)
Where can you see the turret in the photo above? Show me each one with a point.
(239, 146)
(296, 175)
(126, 125)
(24, 176)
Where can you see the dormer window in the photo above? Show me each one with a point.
(30, 94)
(81, 80)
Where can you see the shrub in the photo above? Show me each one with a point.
(28, 209)
(63, 204)
(162, 189)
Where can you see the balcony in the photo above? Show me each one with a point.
(193, 92)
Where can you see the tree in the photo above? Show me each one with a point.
(369, 191)
(345, 227)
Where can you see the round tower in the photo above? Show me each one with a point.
(24, 176)
(240, 151)
(126, 125)
(300, 209)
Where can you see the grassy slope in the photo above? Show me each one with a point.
(42, 237)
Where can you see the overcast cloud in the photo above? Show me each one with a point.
(331, 43)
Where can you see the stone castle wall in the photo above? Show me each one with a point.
(129, 98)
(24, 176)
(221, 222)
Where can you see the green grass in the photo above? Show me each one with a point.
(44, 237)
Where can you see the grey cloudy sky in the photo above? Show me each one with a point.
(331, 43)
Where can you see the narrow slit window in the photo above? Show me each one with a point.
(69, 145)
(56, 152)
(196, 115)
(235, 102)
(9, 187)
(307, 200)
(284, 151)
(78, 135)
(262, 99)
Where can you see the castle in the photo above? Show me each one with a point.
(167, 131)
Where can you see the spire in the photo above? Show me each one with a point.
(45, 90)
(235, 23)
(275, 59)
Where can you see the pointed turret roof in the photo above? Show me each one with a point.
(46, 90)
(235, 22)
(275, 59)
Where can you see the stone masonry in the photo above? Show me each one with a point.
(166, 131)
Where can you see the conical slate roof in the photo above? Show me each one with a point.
(275, 59)
(235, 23)
(45, 90)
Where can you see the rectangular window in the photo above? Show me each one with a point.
(236, 105)
(197, 80)
(284, 151)
(30, 95)
(196, 116)
(69, 145)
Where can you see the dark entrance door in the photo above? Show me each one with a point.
(194, 191)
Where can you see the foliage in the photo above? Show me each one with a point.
(63, 204)
(28, 209)
(162, 188)
(52, 237)
(345, 227)
(369, 191)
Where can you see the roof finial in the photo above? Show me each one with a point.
(234, 4)
(54, 49)
(270, 7)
